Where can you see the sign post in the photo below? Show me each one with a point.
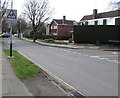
(11, 18)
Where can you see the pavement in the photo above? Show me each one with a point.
(10, 85)
(76, 46)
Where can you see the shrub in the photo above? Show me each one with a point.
(27, 35)
(49, 40)
(55, 37)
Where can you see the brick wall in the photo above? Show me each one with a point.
(64, 29)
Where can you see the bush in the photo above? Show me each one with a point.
(55, 37)
(27, 35)
(49, 40)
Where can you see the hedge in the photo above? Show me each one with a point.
(91, 34)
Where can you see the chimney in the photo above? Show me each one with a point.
(64, 20)
(94, 13)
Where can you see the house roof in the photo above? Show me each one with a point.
(102, 15)
(59, 22)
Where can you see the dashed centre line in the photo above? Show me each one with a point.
(97, 57)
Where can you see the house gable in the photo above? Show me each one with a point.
(105, 18)
(102, 15)
(61, 26)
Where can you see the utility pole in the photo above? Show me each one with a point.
(11, 32)
(0, 17)
(11, 17)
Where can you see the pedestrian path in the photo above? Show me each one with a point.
(11, 85)
(0, 68)
(77, 46)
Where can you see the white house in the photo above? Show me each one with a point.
(105, 18)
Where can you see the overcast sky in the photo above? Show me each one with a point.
(72, 9)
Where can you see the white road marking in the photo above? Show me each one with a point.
(65, 50)
(74, 52)
(97, 57)
(68, 51)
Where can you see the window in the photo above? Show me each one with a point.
(104, 22)
(86, 23)
(90, 23)
(53, 27)
(96, 23)
(110, 21)
(100, 22)
(117, 21)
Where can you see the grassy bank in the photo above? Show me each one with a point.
(22, 67)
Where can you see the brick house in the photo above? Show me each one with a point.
(60, 27)
(105, 18)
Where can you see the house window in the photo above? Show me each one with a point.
(53, 27)
(90, 23)
(117, 21)
(104, 22)
(86, 23)
(100, 22)
(111, 21)
(96, 23)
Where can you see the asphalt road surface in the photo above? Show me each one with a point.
(91, 72)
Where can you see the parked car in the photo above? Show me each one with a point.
(5, 35)
(15, 35)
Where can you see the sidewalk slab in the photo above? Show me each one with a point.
(70, 46)
(11, 85)
(0, 68)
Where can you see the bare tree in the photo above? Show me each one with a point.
(114, 5)
(38, 13)
(3, 7)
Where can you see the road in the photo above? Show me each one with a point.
(91, 72)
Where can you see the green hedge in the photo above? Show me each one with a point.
(90, 34)
(43, 37)
(55, 37)
(27, 35)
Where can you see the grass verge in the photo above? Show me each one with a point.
(22, 67)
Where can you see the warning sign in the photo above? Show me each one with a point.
(11, 16)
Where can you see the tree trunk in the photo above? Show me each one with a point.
(34, 36)
(34, 32)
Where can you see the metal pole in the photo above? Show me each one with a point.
(0, 17)
(20, 28)
(11, 41)
(11, 33)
